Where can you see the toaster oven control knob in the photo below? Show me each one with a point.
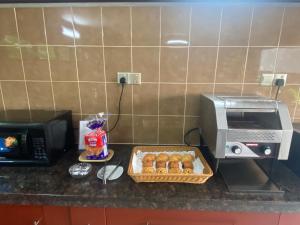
(236, 149)
(266, 150)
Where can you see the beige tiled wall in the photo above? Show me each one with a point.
(67, 57)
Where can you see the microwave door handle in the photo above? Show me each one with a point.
(24, 139)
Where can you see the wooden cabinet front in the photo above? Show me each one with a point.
(56, 215)
(176, 217)
(21, 215)
(87, 216)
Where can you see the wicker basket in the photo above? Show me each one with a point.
(179, 178)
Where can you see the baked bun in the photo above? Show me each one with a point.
(161, 164)
(188, 158)
(149, 157)
(174, 170)
(173, 164)
(188, 167)
(148, 170)
(162, 157)
(148, 163)
(175, 157)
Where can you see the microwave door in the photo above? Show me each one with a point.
(14, 145)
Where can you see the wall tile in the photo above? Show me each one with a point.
(173, 63)
(175, 25)
(171, 99)
(256, 89)
(205, 25)
(288, 62)
(146, 61)
(10, 64)
(59, 26)
(66, 96)
(116, 26)
(76, 119)
(40, 95)
(289, 95)
(193, 97)
(8, 30)
(260, 60)
(145, 26)
(11, 99)
(190, 123)
(170, 130)
(228, 89)
(90, 63)
(145, 129)
(93, 98)
(62, 62)
(36, 65)
(145, 99)
(290, 35)
(123, 131)
(231, 64)
(87, 22)
(116, 60)
(266, 26)
(202, 65)
(236, 20)
(31, 25)
(113, 96)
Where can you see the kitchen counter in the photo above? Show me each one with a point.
(54, 186)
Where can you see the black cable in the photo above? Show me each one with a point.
(190, 131)
(119, 110)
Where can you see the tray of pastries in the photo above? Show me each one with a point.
(182, 164)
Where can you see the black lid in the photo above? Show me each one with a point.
(26, 116)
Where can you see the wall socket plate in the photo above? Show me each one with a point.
(131, 78)
(280, 76)
(269, 79)
(266, 79)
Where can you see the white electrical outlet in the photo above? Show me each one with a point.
(131, 78)
(266, 79)
(280, 76)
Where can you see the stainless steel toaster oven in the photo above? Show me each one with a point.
(245, 127)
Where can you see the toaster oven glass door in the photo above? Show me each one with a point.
(253, 120)
(14, 145)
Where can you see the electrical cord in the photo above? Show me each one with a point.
(123, 82)
(189, 132)
(279, 83)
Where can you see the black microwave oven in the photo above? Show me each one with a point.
(34, 137)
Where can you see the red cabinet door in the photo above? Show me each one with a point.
(289, 219)
(88, 216)
(21, 215)
(55, 215)
(182, 217)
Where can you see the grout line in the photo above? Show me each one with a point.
(76, 60)
(218, 49)
(2, 97)
(277, 49)
(109, 82)
(22, 62)
(296, 105)
(247, 51)
(48, 58)
(146, 115)
(104, 70)
(187, 71)
(148, 46)
(158, 89)
(131, 68)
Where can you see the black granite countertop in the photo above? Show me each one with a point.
(54, 186)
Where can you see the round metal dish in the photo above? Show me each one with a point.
(80, 170)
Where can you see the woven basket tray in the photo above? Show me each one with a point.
(179, 178)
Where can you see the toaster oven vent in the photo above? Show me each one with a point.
(257, 136)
